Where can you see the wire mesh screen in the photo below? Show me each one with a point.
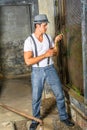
(68, 21)
(73, 12)
(74, 44)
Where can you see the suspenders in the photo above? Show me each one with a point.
(36, 53)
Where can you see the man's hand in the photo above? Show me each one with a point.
(58, 38)
(50, 52)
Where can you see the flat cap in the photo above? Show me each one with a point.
(41, 18)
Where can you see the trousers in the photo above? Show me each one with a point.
(48, 74)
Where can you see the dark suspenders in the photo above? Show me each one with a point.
(36, 54)
(49, 47)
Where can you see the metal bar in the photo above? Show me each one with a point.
(84, 51)
(15, 2)
(30, 16)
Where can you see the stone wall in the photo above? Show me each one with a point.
(12, 61)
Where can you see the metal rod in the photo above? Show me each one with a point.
(84, 52)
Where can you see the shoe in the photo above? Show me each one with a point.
(33, 126)
(68, 122)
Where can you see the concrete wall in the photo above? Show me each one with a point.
(15, 23)
(15, 27)
(47, 7)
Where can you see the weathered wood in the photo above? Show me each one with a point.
(1, 76)
(76, 99)
(21, 113)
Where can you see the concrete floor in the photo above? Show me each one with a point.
(17, 94)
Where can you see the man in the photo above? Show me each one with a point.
(38, 51)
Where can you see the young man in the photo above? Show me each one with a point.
(39, 49)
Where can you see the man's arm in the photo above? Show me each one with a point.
(30, 60)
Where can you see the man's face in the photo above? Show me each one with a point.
(42, 27)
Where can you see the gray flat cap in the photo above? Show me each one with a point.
(41, 18)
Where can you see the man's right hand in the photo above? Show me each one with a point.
(51, 52)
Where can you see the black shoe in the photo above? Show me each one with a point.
(68, 122)
(33, 126)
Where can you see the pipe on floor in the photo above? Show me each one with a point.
(23, 114)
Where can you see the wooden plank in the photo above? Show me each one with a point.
(77, 100)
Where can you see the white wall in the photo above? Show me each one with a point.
(47, 7)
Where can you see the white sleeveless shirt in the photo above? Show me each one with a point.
(42, 47)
